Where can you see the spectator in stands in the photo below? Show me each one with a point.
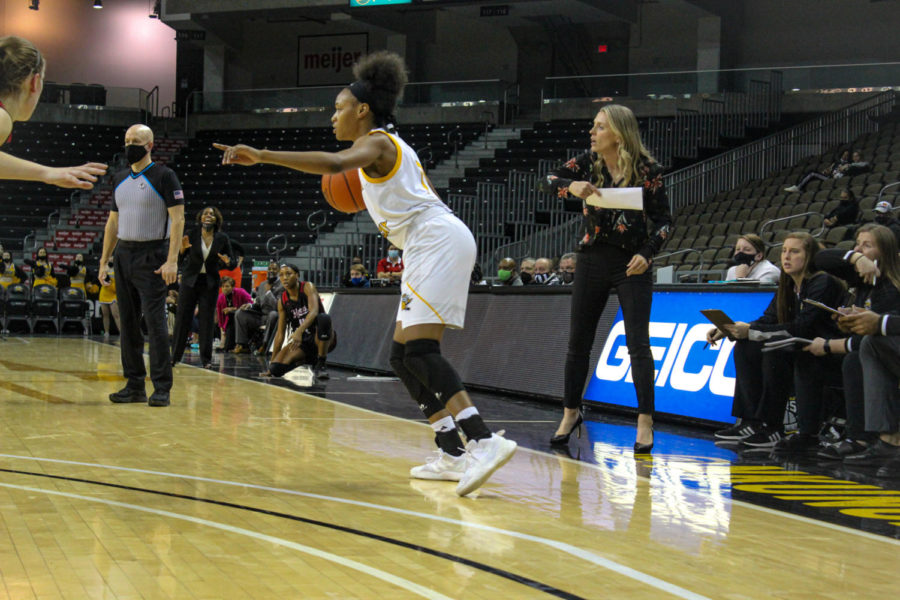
(857, 165)
(506, 273)
(477, 277)
(21, 83)
(251, 317)
(567, 264)
(875, 252)
(884, 215)
(10, 272)
(880, 358)
(107, 300)
(615, 252)
(390, 268)
(750, 261)
(543, 272)
(844, 213)
(205, 251)
(78, 273)
(41, 269)
(269, 282)
(763, 379)
(359, 277)
(345, 280)
(304, 332)
(230, 301)
(835, 170)
(526, 270)
(235, 269)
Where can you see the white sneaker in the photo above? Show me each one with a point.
(792, 188)
(442, 467)
(483, 457)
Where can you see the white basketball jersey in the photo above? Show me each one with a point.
(404, 195)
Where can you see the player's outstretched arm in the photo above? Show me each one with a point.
(364, 151)
(82, 177)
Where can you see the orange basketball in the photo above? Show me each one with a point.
(343, 191)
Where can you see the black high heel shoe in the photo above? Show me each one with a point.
(563, 438)
(643, 448)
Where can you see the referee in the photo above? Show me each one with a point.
(147, 221)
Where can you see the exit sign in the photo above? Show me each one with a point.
(355, 3)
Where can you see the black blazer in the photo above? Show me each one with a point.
(192, 259)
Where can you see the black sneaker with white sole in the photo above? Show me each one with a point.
(737, 432)
(764, 438)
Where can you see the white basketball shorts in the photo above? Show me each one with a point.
(438, 259)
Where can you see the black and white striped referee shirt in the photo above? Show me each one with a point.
(142, 201)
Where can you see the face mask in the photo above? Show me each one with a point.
(742, 258)
(541, 278)
(393, 253)
(881, 220)
(567, 277)
(78, 263)
(356, 280)
(42, 257)
(272, 277)
(134, 153)
(208, 226)
(110, 264)
(503, 274)
(526, 278)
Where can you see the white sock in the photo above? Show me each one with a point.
(466, 413)
(442, 425)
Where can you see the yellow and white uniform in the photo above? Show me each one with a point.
(8, 275)
(77, 280)
(108, 292)
(438, 249)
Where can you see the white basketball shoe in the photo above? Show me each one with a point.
(483, 457)
(441, 467)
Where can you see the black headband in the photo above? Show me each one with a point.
(361, 90)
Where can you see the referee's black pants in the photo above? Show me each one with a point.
(600, 268)
(205, 293)
(140, 290)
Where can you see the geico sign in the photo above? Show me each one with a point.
(685, 341)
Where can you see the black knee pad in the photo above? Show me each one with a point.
(423, 359)
(425, 398)
(279, 369)
(323, 326)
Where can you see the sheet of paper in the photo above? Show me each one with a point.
(631, 198)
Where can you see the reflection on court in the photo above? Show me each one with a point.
(246, 490)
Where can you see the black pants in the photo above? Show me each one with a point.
(228, 343)
(600, 268)
(763, 383)
(854, 398)
(205, 293)
(140, 290)
(812, 375)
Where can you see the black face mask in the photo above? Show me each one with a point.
(883, 219)
(110, 264)
(78, 263)
(525, 277)
(134, 153)
(567, 277)
(273, 277)
(742, 258)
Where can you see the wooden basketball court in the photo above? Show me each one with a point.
(247, 490)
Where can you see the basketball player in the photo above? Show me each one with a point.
(435, 282)
(21, 82)
(311, 337)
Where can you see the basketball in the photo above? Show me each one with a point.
(343, 191)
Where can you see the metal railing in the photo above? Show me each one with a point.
(685, 84)
(695, 184)
(549, 242)
(818, 232)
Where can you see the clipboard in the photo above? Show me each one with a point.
(630, 198)
(824, 307)
(719, 319)
(785, 343)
